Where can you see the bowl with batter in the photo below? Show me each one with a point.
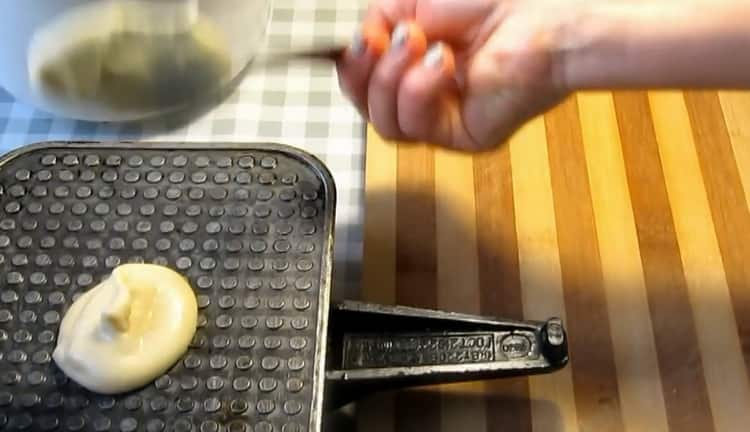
(124, 60)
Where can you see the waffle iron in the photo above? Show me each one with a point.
(251, 227)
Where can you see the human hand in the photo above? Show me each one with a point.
(465, 74)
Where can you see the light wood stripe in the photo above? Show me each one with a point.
(379, 249)
(508, 406)
(457, 270)
(416, 253)
(416, 274)
(458, 275)
(594, 376)
(726, 376)
(376, 413)
(736, 108)
(679, 356)
(552, 397)
(727, 201)
(627, 305)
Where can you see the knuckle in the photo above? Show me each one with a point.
(388, 134)
(415, 116)
(414, 128)
(383, 78)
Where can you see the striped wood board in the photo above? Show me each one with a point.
(625, 213)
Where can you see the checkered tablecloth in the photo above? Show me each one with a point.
(299, 105)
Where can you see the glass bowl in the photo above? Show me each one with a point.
(125, 60)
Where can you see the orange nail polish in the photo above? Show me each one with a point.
(417, 39)
(377, 39)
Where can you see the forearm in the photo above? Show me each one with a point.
(658, 44)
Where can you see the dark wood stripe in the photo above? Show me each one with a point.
(508, 406)
(416, 269)
(499, 272)
(727, 201)
(592, 359)
(680, 362)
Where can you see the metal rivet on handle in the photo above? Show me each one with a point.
(555, 335)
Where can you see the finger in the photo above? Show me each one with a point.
(356, 65)
(428, 101)
(408, 45)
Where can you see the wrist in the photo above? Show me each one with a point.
(666, 44)
(596, 43)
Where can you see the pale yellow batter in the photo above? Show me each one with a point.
(128, 330)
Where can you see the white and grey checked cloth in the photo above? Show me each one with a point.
(298, 105)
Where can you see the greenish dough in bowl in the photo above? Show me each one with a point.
(139, 72)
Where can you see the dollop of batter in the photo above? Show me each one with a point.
(128, 330)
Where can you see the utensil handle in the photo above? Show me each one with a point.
(326, 53)
(374, 348)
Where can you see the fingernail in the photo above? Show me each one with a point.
(399, 36)
(358, 44)
(434, 56)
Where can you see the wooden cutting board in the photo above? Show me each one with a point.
(626, 214)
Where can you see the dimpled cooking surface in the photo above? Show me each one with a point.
(249, 228)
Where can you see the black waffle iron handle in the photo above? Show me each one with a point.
(375, 348)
